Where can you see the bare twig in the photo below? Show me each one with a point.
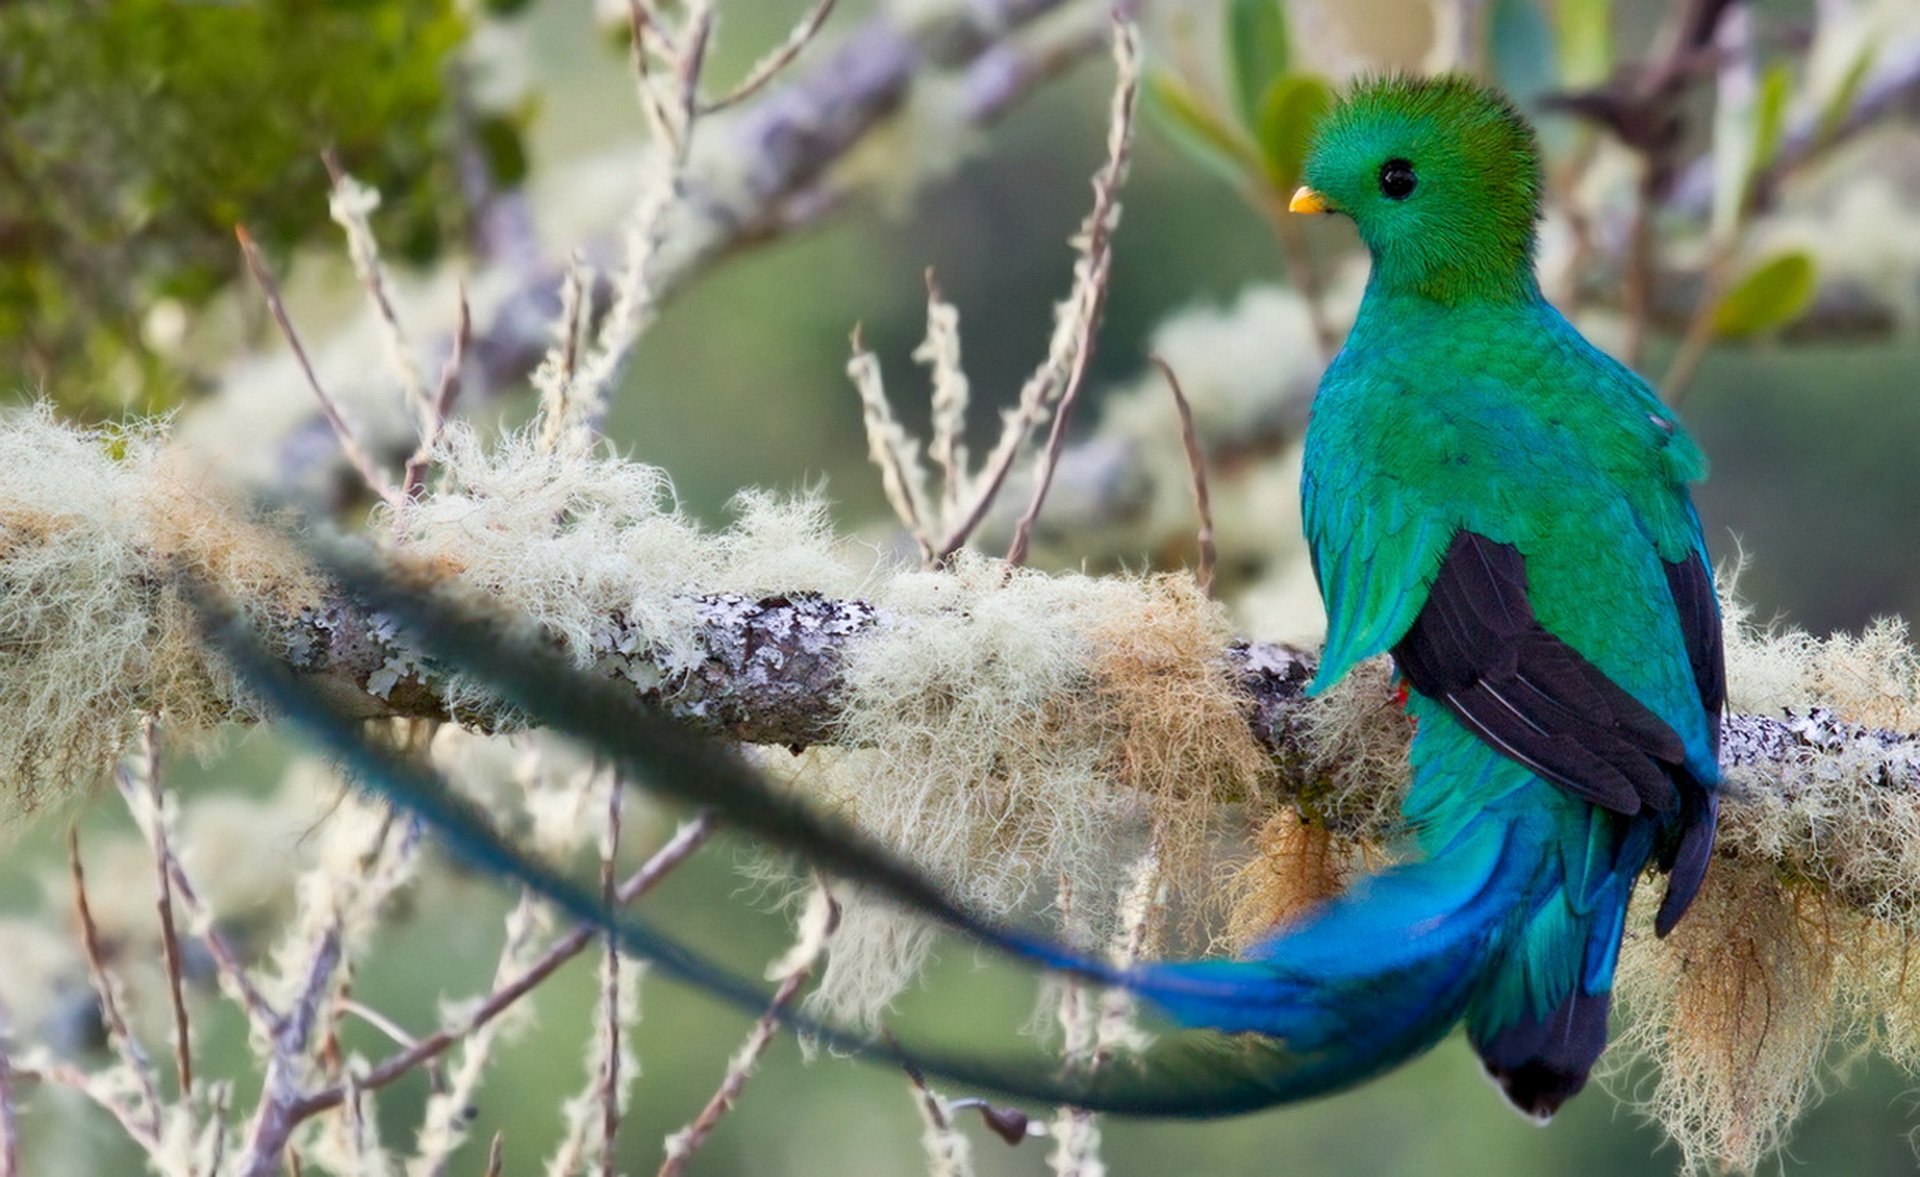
(496, 1155)
(414, 477)
(169, 937)
(279, 1111)
(947, 1152)
(226, 961)
(1197, 463)
(376, 1019)
(888, 446)
(132, 1055)
(1096, 236)
(1076, 1150)
(610, 986)
(771, 66)
(689, 60)
(817, 927)
(349, 444)
(1699, 335)
(1637, 289)
(350, 205)
(101, 1095)
(642, 27)
(690, 838)
(1737, 91)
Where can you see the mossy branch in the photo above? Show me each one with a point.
(771, 671)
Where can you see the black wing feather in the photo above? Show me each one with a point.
(1685, 858)
(1477, 647)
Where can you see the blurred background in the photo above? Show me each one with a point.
(136, 134)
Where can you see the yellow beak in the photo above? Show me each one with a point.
(1306, 200)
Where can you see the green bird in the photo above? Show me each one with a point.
(1504, 507)
(1489, 498)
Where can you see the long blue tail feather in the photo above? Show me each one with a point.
(1355, 987)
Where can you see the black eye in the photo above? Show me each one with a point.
(1397, 179)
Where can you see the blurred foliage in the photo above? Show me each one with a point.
(1772, 294)
(1258, 136)
(139, 132)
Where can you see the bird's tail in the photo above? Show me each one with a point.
(1539, 1022)
(1502, 928)
(1360, 984)
(1368, 979)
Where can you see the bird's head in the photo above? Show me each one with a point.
(1442, 178)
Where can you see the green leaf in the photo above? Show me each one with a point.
(1288, 114)
(1197, 130)
(1775, 87)
(1256, 53)
(1772, 294)
(1835, 112)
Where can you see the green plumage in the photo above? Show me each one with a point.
(1463, 405)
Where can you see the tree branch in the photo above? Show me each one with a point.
(771, 671)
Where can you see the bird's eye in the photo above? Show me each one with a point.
(1397, 179)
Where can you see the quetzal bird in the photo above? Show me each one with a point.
(1489, 498)
(1502, 507)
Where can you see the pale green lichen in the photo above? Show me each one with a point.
(96, 528)
(1799, 945)
(1016, 729)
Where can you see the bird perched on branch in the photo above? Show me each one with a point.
(1488, 497)
(1504, 508)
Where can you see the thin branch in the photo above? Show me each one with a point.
(610, 985)
(132, 1055)
(1638, 285)
(641, 26)
(414, 477)
(350, 204)
(278, 1113)
(1699, 335)
(889, 448)
(1096, 237)
(947, 1151)
(496, 1155)
(773, 64)
(1197, 463)
(226, 960)
(169, 937)
(74, 1079)
(349, 444)
(690, 838)
(688, 63)
(795, 969)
